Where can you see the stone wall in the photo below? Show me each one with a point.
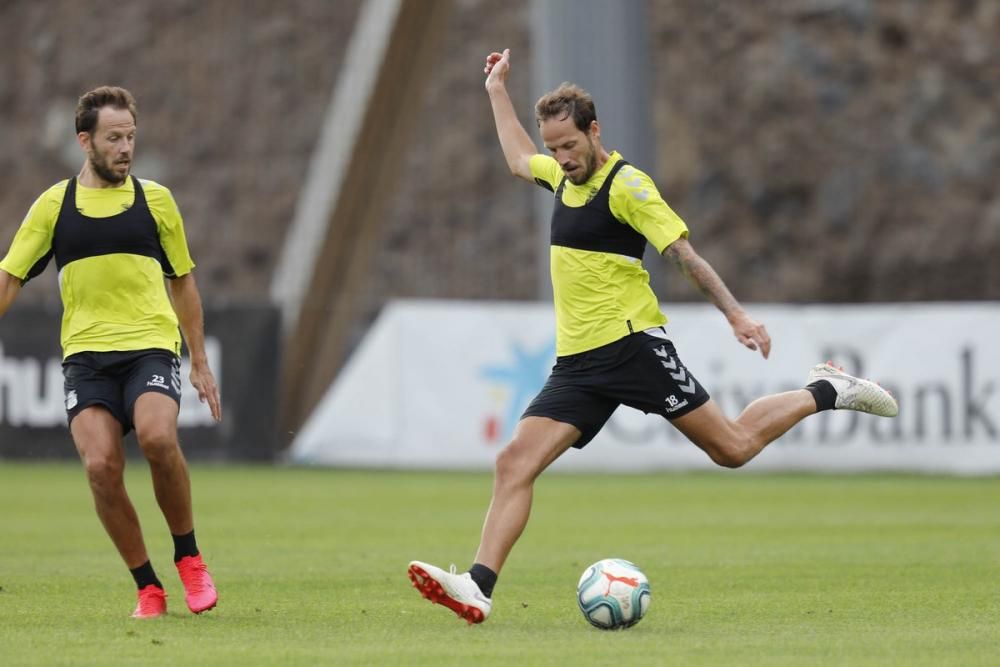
(820, 150)
(835, 150)
(230, 96)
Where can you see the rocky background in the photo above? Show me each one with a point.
(230, 96)
(820, 150)
(835, 151)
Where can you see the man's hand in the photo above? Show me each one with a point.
(752, 334)
(514, 140)
(204, 382)
(497, 68)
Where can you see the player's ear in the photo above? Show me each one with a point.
(84, 139)
(595, 129)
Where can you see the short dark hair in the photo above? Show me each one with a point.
(91, 103)
(567, 100)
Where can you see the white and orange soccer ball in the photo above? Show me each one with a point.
(613, 594)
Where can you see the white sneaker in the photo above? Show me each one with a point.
(458, 592)
(854, 393)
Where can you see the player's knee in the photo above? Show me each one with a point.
(728, 458)
(103, 470)
(505, 465)
(732, 452)
(157, 442)
(512, 466)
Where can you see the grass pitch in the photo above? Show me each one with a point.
(746, 569)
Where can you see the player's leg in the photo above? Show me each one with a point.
(731, 443)
(154, 394)
(653, 378)
(655, 371)
(567, 412)
(97, 421)
(155, 419)
(97, 435)
(537, 442)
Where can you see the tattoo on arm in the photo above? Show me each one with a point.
(701, 274)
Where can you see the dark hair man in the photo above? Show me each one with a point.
(611, 344)
(113, 238)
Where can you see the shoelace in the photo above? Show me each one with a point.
(841, 369)
(194, 578)
(148, 601)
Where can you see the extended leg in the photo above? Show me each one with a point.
(731, 443)
(538, 441)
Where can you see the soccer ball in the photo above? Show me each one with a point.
(613, 594)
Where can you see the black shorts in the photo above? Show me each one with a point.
(640, 370)
(115, 380)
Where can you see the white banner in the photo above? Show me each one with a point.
(441, 384)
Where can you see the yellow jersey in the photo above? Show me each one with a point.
(600, 288)
(113, 247)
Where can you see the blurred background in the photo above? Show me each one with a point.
(332, 156)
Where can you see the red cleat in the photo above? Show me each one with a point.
(152, 602)
(199, 591)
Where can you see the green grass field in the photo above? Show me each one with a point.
(746, 569)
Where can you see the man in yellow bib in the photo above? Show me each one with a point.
(611, 346)
(113, 238)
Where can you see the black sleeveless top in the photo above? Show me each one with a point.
(592, 226)
(77, 236)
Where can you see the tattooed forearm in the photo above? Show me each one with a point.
(701, 274)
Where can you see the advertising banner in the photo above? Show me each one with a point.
(242, 347)
(442, 385)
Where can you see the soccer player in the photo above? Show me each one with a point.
(610, 342)
(114, 238)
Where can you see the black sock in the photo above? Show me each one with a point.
(184, 545)
(484, 577)
(824, 394)
(145, 576)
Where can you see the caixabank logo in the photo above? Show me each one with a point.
(511, 383)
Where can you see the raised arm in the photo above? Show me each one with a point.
(10, 286)
(187, 304)
(703, 276)
(514, 140)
